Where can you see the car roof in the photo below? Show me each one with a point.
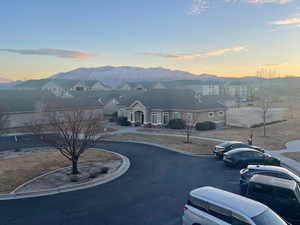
(268, 168)
(237, 150)
(231, 201)
(274, 169)
(273, 181)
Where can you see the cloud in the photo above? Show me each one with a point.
(202, 54)
(295, 20)
(268, 1)
(198, 6)
(52, 52)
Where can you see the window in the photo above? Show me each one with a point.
(220, 213)
(156, 118)
(176, 115)
(221, 113)
(198, 203)
(211, 115)
(166, 118)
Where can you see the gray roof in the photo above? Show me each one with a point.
(37, 84)
(172, 99)
(12, 101)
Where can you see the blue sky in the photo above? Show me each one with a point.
(225, 37)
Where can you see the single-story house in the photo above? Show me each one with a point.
(25, 106)
(158, 107)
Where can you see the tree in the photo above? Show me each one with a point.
(265, 99)
(3, 121)
(72, 132)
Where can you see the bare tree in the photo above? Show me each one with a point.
(72, 132)
(3, 121)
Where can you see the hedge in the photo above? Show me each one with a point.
(206, 125)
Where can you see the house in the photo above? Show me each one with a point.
(142, 86)
(25, 106)
(157, 107)
(61, 87)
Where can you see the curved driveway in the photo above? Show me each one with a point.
(152, 192)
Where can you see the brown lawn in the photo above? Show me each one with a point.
(16, 171)
(197, 146)
(293, 155)
(277, 134)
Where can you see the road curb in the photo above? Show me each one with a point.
(164, 147)
(119, 172)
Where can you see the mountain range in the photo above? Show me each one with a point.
(114, 76)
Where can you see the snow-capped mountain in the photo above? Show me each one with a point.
(117, 75)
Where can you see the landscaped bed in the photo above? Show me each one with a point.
(197, 146)
(19, 167)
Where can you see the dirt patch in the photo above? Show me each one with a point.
(15, 171)
(197, 146)
(293, 155)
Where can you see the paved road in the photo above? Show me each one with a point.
(152, 192)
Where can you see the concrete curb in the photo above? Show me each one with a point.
(119, 172)
(164, 147)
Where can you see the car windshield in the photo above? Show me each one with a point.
(268, 218)
(225, 144)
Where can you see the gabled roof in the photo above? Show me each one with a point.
(171, 99)
(12, 101)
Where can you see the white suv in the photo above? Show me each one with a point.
(212, 206)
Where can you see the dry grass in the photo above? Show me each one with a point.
(16, 171)
(277, 134)
(197, 146)
(293, 155)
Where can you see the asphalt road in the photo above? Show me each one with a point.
(152, 192)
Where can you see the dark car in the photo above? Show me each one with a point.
(220, 149)
(281, 195)
(273, 171)
(242, 157)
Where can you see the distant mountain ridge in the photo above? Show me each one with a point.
(114, 76)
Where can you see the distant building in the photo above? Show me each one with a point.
(26, 106)
(157, 107)
(61, 87)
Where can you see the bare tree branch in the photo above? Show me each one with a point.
(72, 132)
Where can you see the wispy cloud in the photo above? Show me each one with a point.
(201, 54)
(52, 52)
(198, 6)
(294, 20)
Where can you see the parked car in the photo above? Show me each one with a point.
(242, 157)
(274, 171)
(212, 206)
(220, 149)
(281, 195)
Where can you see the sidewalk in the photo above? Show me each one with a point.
(292, 146)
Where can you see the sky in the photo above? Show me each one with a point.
(224, 37)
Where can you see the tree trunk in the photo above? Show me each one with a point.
(265, 114)
(75, 167)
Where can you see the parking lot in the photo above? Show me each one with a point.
(153, 191)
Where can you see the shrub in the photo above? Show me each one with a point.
(104, 169)
(114, 117)
(206, 125)
(123, 121)
(93, 172)
(176, 124)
